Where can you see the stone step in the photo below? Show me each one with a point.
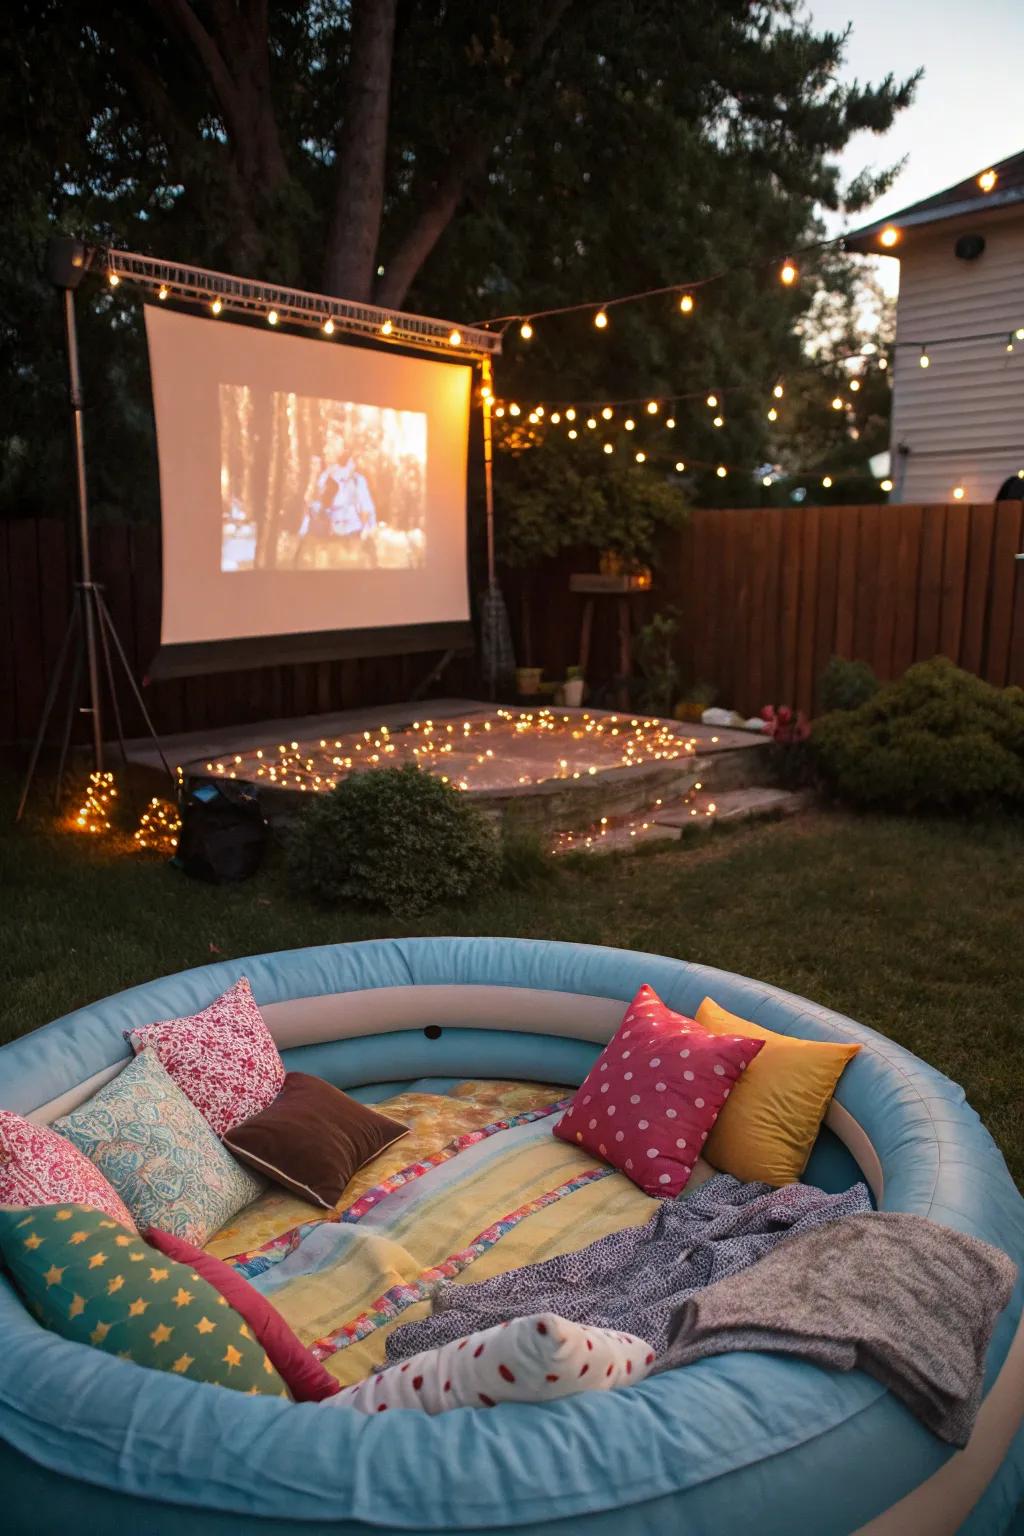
(707, 807)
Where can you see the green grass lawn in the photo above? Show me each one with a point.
(913, 927)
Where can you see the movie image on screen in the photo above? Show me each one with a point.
(320, 485)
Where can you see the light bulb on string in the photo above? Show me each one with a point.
(1018, 334)
(886, 486)
(500, 411)
(608, 448)
(570, 414)
(670, 421)
(272, 317)
(712, 401)
(526, 330)
(788, 273)
(486, 392)
(573, 433)
(591, 422)
(987, 180)
(455, 337)
(680, 467)
(601, 319)
(162, 292)
(686, 304)
(652, 407)
(533, 417)
(883, 363)
(721, 471)
(113, 279)
(640, 456)
(837, 402)
(773, 414)
(513, 409)
(328, 330)
(889, 237)
(539, 409)
(826, 481)
(778, 391)
(556, 417)
(386, 328)
(855, 385)
(629, 424)
(924, 360)
(719, 421)
(607, 413)
(766, 480)
(959, 492)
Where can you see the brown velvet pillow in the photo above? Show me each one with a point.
(313, 1138)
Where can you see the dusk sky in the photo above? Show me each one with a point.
(968, 112)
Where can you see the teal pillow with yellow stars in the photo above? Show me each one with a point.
(89, 1279)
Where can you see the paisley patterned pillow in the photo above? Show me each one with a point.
(159, 1154)
(224, 1059)
(39, 1168)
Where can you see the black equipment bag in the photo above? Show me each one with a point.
(223, 832)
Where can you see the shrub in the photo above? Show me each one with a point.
(654, 650)
(846, 685)
(938, 739)
(396, 838)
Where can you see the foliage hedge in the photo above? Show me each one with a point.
(397, 838)
(846, 684)
(938, 739)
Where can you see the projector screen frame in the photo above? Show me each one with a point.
(245, 652)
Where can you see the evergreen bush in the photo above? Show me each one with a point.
(938, 739)
(846, 684)
(397, 838)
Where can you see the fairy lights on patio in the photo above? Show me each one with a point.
(159, 826)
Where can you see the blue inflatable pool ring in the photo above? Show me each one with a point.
(91, 1443)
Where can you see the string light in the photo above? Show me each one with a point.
(162, 292)
(272, 317)
(159, 826)
(712, 401)
(607, 413)
(837, 402)
(641, 456)
(766, 480)
(526, 330)
(329, 331)
(773, 414)
(826, 481)
(1018, 334)
(680, 467)
(555, 418)
(686, 304)
(924, 360)
(652, 407)
(987, 180)
(883, 364)
(513, 410)
(533, 417)
(386, 328)
(93, 815)
(216, 307)
(886, 486)
(601, 319)
(778, 391)
(113, 279)
(890, 236)
(670, 421)
(570, 414)
(573, 433)
(455, 337)
(719, 421)
(721, 471)
(959, 492)
(629, 424)
(855, 385)
(486, 392)
(500, 411)
(608, 448)
(788, 273)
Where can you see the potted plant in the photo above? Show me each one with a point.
(696, 700)
(572, 688)
(528, 681)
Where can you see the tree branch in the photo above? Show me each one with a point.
(464, 166)
(359, 188)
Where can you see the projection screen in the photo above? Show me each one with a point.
(313, 497)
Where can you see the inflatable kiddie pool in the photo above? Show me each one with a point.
(744, 1442)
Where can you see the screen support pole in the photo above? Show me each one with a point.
(488, 399)
(84, 545)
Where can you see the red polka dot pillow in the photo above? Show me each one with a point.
(223, 1059)
(649, 1102)
(529, 1360)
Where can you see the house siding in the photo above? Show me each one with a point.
(962, 418)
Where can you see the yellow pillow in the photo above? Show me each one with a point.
(771, 1120)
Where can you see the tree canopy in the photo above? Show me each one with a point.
(454, 159)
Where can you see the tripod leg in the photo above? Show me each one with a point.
(51, 698)
(76, 678)
(108, 623)
(102, 620)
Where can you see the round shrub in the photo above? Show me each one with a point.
(396, 838)
(846, 684)
(938, 739)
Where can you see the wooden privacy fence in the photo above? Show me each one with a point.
(769, 595)
(766, 596)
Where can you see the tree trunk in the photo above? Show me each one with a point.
(359, 188)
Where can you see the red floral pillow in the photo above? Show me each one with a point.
(223, 1059)
(649, 1101)
(38, 1167)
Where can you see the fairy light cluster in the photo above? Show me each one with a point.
(609, 832)
(159, 826)
(93, 815)
(505, 749)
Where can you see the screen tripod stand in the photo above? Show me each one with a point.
(91, 640)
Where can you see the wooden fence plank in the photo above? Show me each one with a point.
(909, 524)
(886, 583)
(771, 630)
(1003, 582)
(976, 585)
(810, 545)
(929, 584)
(751, 695)
(954, 580)
(846, 581)
(827, 604)
(866, 595)
(792, 526)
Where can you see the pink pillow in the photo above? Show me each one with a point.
(38, 1167)
(301, 1371)
(223, 1059)
(649, 1101)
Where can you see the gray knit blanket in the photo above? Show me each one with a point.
(636, 1280)
(911, 1303)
